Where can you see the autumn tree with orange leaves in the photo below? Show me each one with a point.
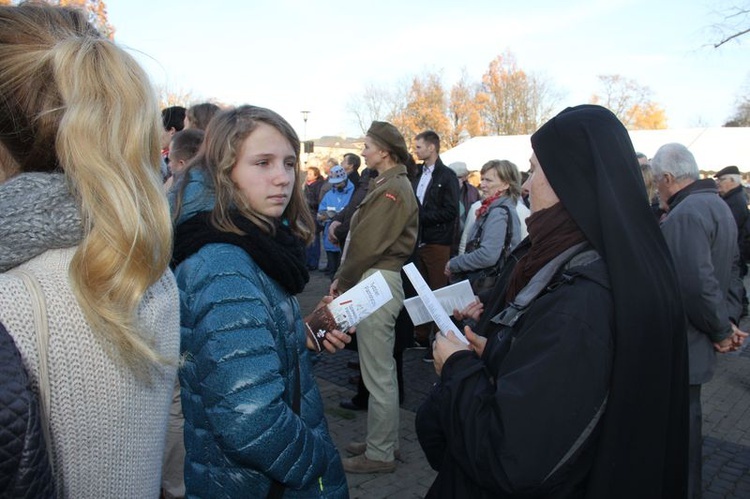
(425, 109)
(630, 102)
(465, 110)
(507, 101)
(95, 9)
(516, 102)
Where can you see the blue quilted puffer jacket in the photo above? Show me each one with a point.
(242, 335)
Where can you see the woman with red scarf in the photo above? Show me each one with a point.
(500, 187)
(575, 382)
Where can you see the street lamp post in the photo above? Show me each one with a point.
(305, 114)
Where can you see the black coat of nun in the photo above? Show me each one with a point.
(586, 395)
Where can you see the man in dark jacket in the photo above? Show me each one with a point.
(351, 164)
(729, 184)
(702, 238)
(436, 187)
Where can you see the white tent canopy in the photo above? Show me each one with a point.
(714, 148)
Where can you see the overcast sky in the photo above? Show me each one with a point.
(294, 55)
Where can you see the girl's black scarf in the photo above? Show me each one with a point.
(281, 256)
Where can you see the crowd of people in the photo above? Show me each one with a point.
(154, 345)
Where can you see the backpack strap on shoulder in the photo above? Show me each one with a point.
(539, 283)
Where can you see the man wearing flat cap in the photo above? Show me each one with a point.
(729, 184)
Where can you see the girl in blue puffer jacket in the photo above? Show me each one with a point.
(254, 423)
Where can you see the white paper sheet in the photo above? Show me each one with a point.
(432, 304)
(454, 297)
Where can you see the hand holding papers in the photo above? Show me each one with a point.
(348, 309)
(432, 304)
(457, 296)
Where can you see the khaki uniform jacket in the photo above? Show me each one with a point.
(383, 229)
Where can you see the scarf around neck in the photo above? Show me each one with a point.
(486, 204)
(281, 256)
(551, 231)
(38, 212)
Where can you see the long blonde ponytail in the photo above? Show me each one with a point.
(107, 144)
(72, 100)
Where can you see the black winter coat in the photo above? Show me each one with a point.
(737, 202)
(522, 420)
(438, 213)
(24, 463)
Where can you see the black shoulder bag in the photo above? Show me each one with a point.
(484, 279)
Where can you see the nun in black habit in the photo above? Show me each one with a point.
(575, 384)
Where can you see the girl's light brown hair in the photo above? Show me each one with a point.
(221, 147)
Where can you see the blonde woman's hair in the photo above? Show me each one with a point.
(508, 172)
(71, 100)
(219, 154)
(648, 180)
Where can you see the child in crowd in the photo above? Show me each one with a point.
(334, 201)
(183, 147)
(254, 423)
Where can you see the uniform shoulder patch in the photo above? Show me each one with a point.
(390, 196)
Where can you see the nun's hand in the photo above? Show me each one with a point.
(443, 347)
(476, 342)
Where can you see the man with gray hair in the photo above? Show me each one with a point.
(702, 237)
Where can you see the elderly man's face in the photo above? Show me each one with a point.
(725, 183)
(541, 194)
(666, 186)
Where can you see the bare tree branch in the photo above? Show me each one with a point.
(735, 21)
(732, 37)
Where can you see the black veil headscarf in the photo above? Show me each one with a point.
(589, 160)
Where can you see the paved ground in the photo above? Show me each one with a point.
(726, 408)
